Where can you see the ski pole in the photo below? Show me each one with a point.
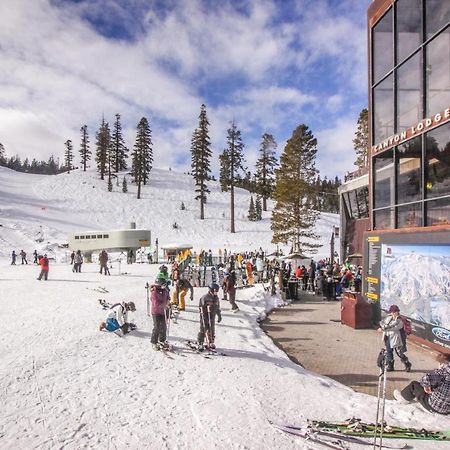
(383, 407)
(147, 287)
(202, 318)
(169, 310)
(380, 376)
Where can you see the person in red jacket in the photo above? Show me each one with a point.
(43, 262)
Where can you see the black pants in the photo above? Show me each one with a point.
(104, 266)
(44, 273)
(232, 300)
(207, 327)
(159, 328)
(414, 391)
(390, 354)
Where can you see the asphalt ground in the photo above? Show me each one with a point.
(309, 330)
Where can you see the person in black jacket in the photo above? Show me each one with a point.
(209, 308)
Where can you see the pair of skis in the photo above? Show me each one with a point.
(206, 353)
(100, 289)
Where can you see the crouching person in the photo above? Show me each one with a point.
(433, 390)
(209, 307)
(159, 297)
(118, 318)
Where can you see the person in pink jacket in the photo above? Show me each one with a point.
(159, 298)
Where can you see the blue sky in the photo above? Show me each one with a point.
(269, 65)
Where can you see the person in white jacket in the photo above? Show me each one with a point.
(392, 327)
(260, 268)
(118, 317)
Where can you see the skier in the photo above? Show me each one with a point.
(118, 318)
(43, 262)
(35, 255)
(209, 307)
(260, 268)
(72, 258)
(229, 289)
(182, 287)
(391, 327)
(103, 260)
(78, 261)
(23, 255)
(13, 258)
(159, 297)
(433, 390)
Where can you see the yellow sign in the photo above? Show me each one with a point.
(372, 296)
(372, 280)
(144, 242)
(373, 239)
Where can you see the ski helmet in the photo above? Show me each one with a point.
(214, 287)
(161, 281)
(163, 268)
(131, 306)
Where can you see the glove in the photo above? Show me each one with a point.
(125, 328)
(219, 317)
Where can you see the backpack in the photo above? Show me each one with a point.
(406, 325)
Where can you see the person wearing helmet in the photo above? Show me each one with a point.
(229, 289)
(391, 326)
(209, 308)
(118, 318)
(163, 273)
(159, 298)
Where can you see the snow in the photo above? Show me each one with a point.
(67, 385)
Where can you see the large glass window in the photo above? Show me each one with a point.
(409, 215)
(384, 179)
(384, 219)
(409, 93)
(437, 73)
(383, 53)
(362, 196)
(409, 24)
(437, 162)
(438, 212)
(437, 15)
(409, 171)
(383, 110)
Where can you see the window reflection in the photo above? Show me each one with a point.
(409, 20)
(409, 93)
(384, 179)
(438, 212)
(409, 171)
(362, 197)
(437, 162)
(383, 54)
(437, 15)
(409, 215)
(437, 73)
(383, 109)
(384, 218)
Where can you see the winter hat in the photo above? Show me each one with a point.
(131, 306)
(394, 308)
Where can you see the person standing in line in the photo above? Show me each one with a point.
(45, 267)
(433, 390)
(159, 297)
(229, 289)
(78, 262)
(209, 308)
(260, 268)
(35, 255)
(103, 261)
(23, 255)
(391, 327)
(13, 258)
(182, 287)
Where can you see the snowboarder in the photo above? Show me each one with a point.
(35, 255)
(13, 258)
(78, 262)
(209, 308)
(43, 262)
(229, 289)
(433, 390)
(391, 327)
(159, 297)
(118, 318)
(23, 255)
(103, 260)
(182, 287)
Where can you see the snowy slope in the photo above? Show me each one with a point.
(80, 201)
(66, 385)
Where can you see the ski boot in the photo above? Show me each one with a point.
(212, 346)
(408, 366)
(200, 347)
(155, 347)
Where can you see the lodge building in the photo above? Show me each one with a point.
(406, 252)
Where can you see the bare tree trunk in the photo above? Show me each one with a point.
(139, 189)
(264, 203)
(202, 207)
(232, 210)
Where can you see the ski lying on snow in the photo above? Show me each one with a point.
(206, 353)
(99, 289)
(311, 437)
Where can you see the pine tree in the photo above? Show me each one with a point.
(200, 159)
(103, 146)
(110, 185)
(2, 155)
(118, 148)
(258, 208)
(265, 169)
(68, 155)
(361, 140)
(124, 185)
(232, 165)
(251, 210)
(85, 152)
(293, 218)
(142, 157)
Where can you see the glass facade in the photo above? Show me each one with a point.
(410, 82)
